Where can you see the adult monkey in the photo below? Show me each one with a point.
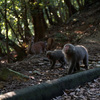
(74, 54)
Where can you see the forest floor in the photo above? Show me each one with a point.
(86, 25)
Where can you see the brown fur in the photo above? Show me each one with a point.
(50, 43)
(37, 48)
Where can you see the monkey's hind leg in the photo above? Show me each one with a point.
(62, 64)
(52, 64)
(77, 66)
(71, 68)
(85, 62)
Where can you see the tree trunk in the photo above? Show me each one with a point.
(27, 31)
(20, 51)
(49, 17)
(38, 21)
(80, 5)
(6, 27)
(71, 8)
(54, 11)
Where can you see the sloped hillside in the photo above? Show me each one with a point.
(87, 25)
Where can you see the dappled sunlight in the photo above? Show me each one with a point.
(92, 41)
(4, 61)
(6, 95)
(50, 82)
(78, 32)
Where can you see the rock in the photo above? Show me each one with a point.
(97, 65)
(41, 64)
(30, 72)
(98, 62)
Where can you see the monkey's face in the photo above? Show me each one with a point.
(66, 48)
(69, 49)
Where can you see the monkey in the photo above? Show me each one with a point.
(50, 43)
(55, 55)
(75, 54)
(37, 47)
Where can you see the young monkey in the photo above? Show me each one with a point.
(74, 54)
(55, 55)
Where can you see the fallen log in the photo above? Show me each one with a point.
(5, 73)
(51, 89)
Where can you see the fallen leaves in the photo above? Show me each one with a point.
(39, 71)
(90, 91)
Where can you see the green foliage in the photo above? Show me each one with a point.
(19, 17)
(15, 10)
(60, 37)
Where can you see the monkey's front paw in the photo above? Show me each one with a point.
(62, 67)
(51, 68)
(66, 73)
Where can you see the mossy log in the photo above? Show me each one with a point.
(49, 90)
(6, 73)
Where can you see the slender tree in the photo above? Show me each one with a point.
(71, 8)
(27, 31)
(6, 26)
(38, 20)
